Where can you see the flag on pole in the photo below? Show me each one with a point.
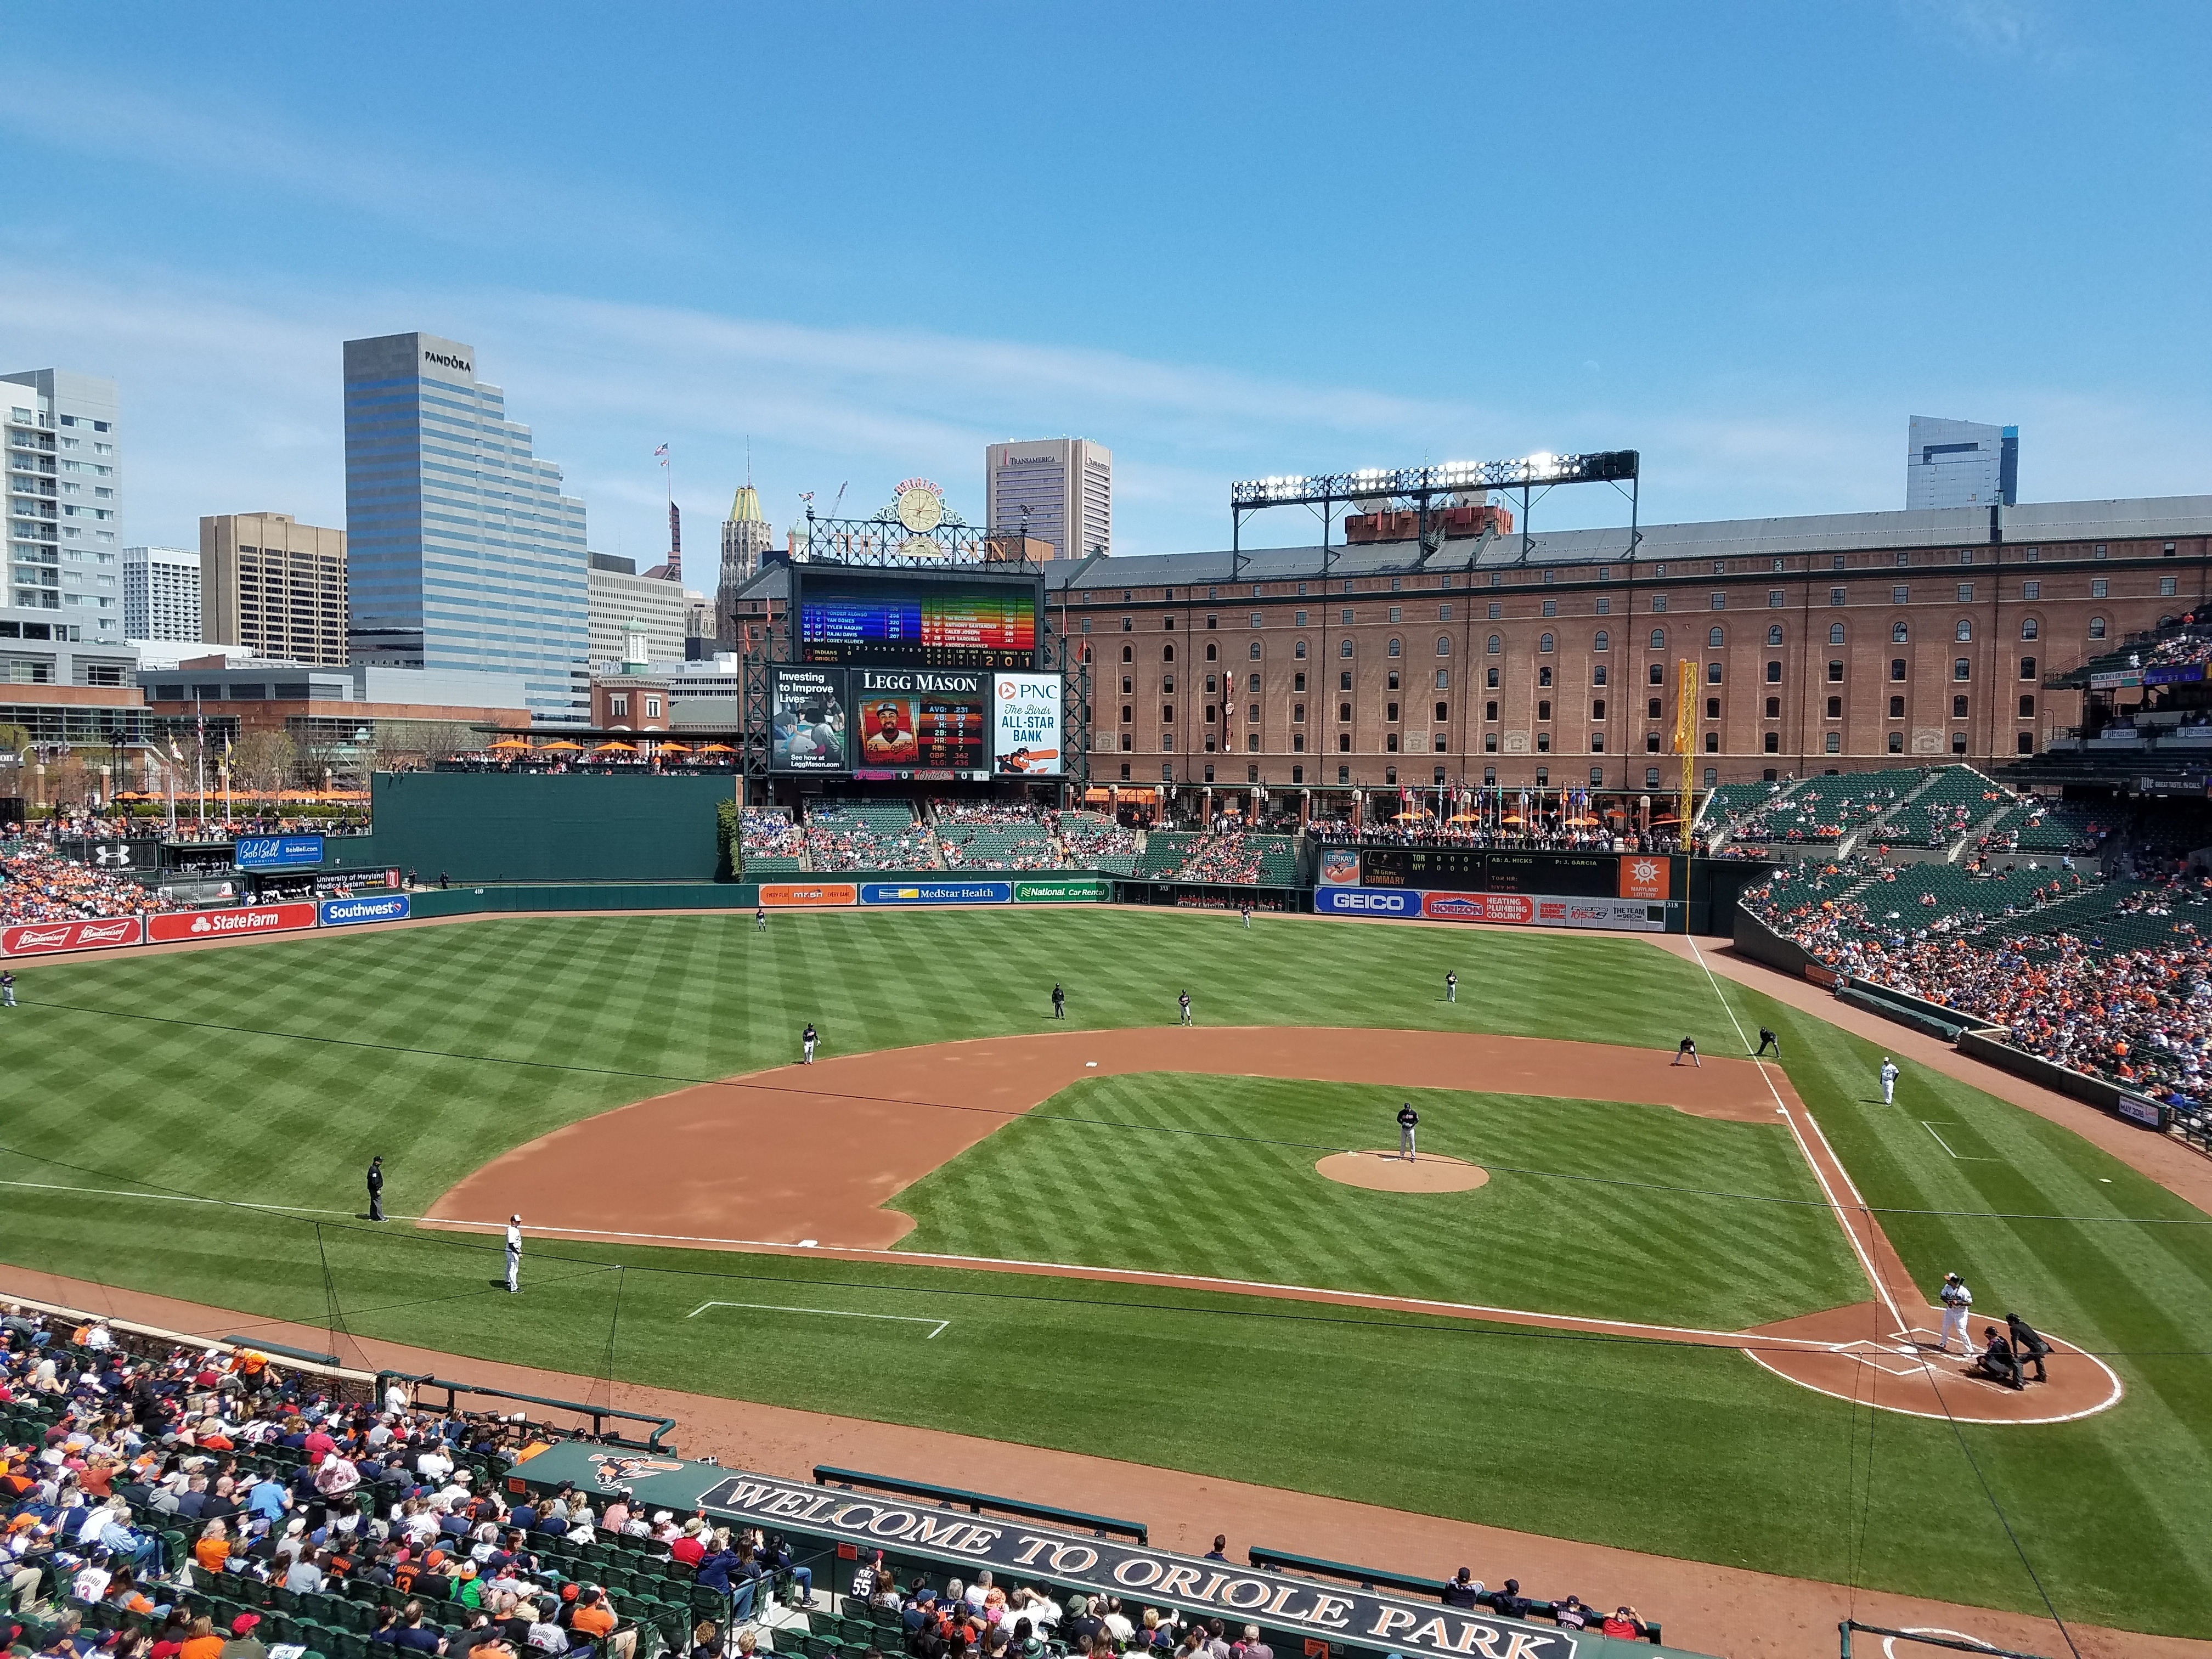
(660, 455)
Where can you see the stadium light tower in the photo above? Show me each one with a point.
(1531, 475)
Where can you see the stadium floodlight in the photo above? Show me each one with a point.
(1544, 467)
(1373, 486)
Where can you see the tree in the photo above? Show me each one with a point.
(264, 760)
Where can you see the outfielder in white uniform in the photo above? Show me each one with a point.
(1889, 1080)
(513, 1254)
(1957, 1302)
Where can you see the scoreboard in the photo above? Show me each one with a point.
(916, 619)
(1464, 870)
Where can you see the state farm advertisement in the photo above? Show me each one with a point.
(32, 939)
(228, 924)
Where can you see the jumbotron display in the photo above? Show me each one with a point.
(918, 621)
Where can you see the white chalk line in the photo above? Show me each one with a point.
(1963, 1158)
(1866, 1259)
(831, 1313)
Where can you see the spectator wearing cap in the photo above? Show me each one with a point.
(1464, 1590)
(1622, 1625)
(691, 1547)
(243, 1644)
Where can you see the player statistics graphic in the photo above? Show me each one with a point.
(920, 719)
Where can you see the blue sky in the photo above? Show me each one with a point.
(1222, 241)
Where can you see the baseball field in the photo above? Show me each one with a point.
(1108, 1235)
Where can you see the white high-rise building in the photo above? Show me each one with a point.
(1960, 464)
(65, 499)
(161, 593)
(1059, 490)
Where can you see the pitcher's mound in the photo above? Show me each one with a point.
(1386, 1172)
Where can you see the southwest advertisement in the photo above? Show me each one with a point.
(1026, 724)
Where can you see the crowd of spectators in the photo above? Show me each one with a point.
(867, 836)
(269, 1480)
(995, 835)
(769, 835)
(1095, 842)
(2124, 993)
(39, 884)
(167, 1501)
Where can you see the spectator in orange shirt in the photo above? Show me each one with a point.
(213, 1548)
(203, 1643)
(596, 1619)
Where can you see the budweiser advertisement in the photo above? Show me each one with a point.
(229, 924)
(32, 939)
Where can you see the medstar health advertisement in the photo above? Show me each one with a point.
(1026, 718)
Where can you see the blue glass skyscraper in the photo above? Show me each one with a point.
(463, 551)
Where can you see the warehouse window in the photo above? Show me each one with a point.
(1602, 641)
(1393, 647)
(1543, 643)
(1965, 630)
(1834, 745)
(1255, 651)
(1897, 668)
(1962, 668)
(1716, 639)
(1444, 645)
(1835, 633)
(2096, 627)
(1835, 670)
(1658, 602)
(2028, 668)
(2029, 628)
(1774, 634)
(1774, 673)
(1658, 638)
(2028, 707)
(1712, 673)
(1774, 599)
(1344, 647)
(1773, 743)
(1899, 633)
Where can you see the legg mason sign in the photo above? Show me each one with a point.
(1324, 1611)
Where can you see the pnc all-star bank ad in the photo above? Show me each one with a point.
(1026, 724)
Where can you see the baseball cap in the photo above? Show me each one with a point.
(243, 1622)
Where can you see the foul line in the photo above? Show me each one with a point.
(829, 1313)
(1866, 1258)
(1962, 1156)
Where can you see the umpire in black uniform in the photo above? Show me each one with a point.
(376, 1187)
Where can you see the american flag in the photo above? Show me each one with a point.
(661, 454)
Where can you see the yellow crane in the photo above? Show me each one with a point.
(1685, 742)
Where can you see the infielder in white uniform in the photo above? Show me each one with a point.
(1957, 1302)
(1889, 1080)
(513, 1254)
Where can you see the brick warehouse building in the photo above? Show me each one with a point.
(1842, 641)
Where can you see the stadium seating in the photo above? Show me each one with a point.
(1166, 851)
(771, 844)
(1095, 842)
(868, 835)
(2042, 826)
(1826, 809)
(1953, 802)
(993, 835)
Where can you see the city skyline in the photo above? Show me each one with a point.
(1758, 343)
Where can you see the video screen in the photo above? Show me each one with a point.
(807, 721)
(916, 719)
(848, 617)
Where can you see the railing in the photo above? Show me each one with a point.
(977, 1501)
(598, 1414)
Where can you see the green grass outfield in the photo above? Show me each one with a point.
(1630, 1234)
(269, 1074)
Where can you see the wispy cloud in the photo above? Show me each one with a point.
(231, 402)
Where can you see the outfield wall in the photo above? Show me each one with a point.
(483, 827)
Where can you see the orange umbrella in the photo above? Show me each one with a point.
(561, 743)
(512, 742)
(715, 748)
(675, 748)
(615, 748)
